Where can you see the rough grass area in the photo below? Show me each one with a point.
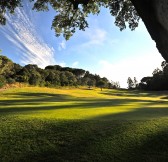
(61, 125)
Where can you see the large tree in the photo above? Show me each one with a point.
(72, 14)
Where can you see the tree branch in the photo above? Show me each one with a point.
(77, 2)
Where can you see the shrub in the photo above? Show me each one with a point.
(10, 81)
(2, 81)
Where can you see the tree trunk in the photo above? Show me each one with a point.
(154, 14)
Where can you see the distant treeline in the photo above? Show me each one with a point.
(51, 76)
(157, 82)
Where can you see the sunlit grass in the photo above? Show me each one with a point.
(45, 124)
(77, 103)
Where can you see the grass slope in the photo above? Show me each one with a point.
(43, 124)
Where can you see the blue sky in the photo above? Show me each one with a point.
(102, 48)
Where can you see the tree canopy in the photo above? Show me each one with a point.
(159, 80)
(71, 15)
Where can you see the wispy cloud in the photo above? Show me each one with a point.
(62, 45)
(75, 64)
(21, 32)
(63, 64)
(96, 36)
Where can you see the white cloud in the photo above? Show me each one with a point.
(138, 67)
(75, 64)
(23, 34)
(95, 36)
(62, 64)
(62, 45)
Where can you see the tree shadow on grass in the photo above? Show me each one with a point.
(38, 102)
(86, 140)
(138, 135)
(37, 96)
(137, 114)
(34, 99)
(135, 93)
(14, 106)
(165, 97)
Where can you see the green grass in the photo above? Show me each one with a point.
(43, 124)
